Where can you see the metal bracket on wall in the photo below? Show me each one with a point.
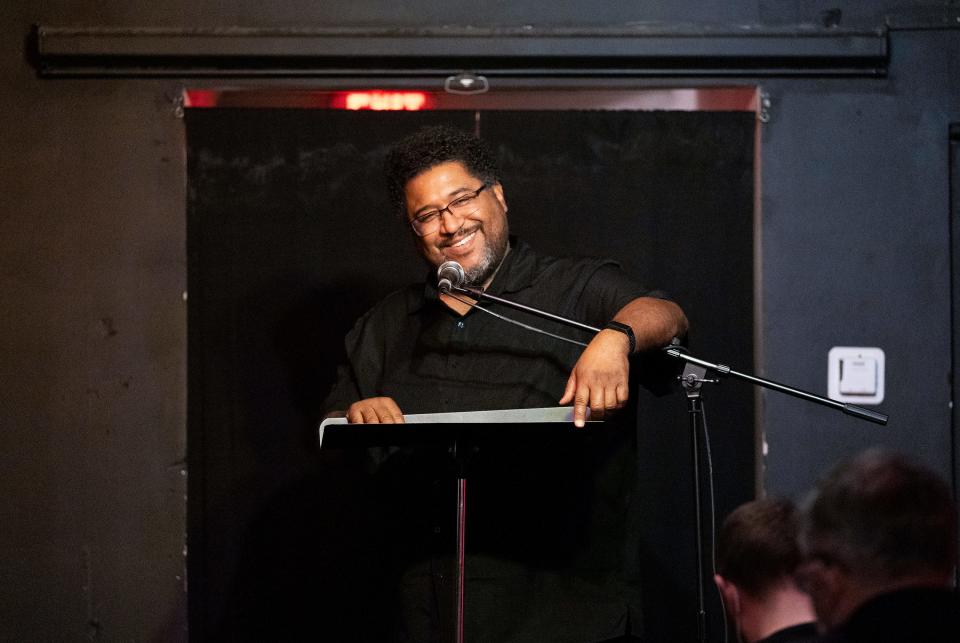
(763, 106)
(178, 101)
(466, 83)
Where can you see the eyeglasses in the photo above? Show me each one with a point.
(463, 206)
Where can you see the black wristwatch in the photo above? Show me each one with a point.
(626, 330)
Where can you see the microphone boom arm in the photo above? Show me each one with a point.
(446, 285)
(723, 369)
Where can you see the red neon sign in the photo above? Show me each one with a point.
(382, 101)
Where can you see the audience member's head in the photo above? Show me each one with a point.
(876, 524)
(757, 555)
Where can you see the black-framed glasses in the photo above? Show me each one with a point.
(463, 206)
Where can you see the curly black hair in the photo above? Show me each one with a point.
(431, 146)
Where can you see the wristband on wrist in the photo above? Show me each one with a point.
(626, 330)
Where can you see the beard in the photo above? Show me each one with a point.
(494, 250)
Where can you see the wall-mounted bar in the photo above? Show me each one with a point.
(626, 51)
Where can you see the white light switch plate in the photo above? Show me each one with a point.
(855, 374)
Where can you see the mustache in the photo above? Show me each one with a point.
(458, 236)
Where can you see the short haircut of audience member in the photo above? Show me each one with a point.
(757, 556)
(757, 545)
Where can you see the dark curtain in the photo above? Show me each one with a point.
(291, 239)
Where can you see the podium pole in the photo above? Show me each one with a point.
(461, 553)
(461, 454)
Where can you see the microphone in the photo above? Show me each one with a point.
(450, 275)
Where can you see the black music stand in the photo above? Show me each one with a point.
(461, 434)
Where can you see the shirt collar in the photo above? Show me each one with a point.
(517, 270)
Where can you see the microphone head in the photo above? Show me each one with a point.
(450, 275)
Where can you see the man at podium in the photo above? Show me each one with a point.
(547, 557)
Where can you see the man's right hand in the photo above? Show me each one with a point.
(375, 410)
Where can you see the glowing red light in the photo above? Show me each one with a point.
(382, 101)
(201, 98)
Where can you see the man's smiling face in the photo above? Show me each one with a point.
(478, 240)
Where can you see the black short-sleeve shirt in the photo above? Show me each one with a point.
(411, 347)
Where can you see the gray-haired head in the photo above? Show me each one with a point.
(881, 516)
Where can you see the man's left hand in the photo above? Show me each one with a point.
(600, 377)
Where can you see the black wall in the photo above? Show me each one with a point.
(852, 248)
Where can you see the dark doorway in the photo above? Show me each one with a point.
(290, 240)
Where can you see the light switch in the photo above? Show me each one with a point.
(858, 376)
(855, 374)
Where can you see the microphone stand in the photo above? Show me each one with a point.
(692, 379)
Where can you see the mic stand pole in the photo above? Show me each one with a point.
(692, 379)
(461, 453)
